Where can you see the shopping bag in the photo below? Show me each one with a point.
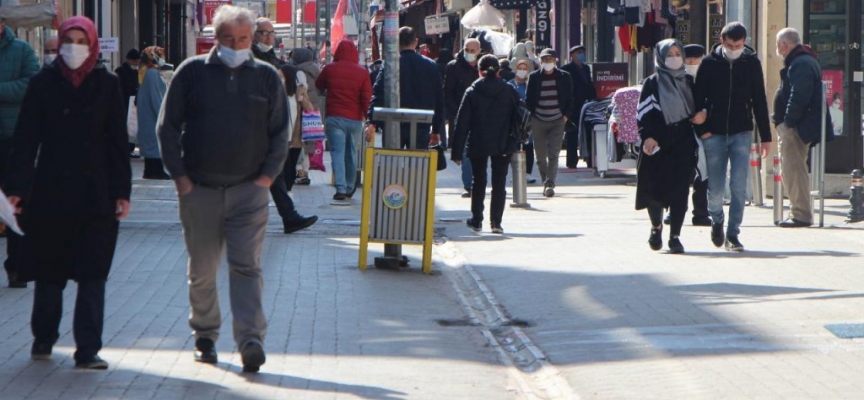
(132, 121)
(313, 126)
(316, 160)
(442, 159)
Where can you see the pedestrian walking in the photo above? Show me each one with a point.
(232, 113)
(304, 61)
(520, 83)
(484, 127)
(583, 92)
(128, 74)
(19, 64)
(550, 100)
(419, 88)
(292, 221)
(665, 118)
(730, 92)
(149, 102)
(69, 177)
(458, 77)
(798, 116)
(348, 93)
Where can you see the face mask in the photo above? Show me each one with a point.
(674, 63)
(732, 54)
(134, 67)
(49, 58)
(264, 48)
(74, 54)
(160, 62)
(470, 57)
(581, 57)
(233, 58)
(547, 66)
(691, 69)
(522, 74)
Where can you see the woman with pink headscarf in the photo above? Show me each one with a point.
(69, 179)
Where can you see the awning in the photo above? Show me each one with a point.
(30, 15)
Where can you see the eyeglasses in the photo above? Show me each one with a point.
(265, 33)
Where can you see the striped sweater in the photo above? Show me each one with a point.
(548, 107)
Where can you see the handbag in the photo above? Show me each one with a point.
(442, 160)
(521, 122)
(312, 126)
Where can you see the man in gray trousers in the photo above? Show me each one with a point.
(224, 138)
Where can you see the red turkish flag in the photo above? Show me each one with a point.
(283, 11)
(337, 28)
(309, 12)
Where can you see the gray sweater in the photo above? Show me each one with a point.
(223, 127)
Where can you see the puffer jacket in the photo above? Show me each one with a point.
(485, 119)
(346, 84)
(458, 77)
(19, 63)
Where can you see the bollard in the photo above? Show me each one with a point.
(778, 192)
(756, 175)
(856, 213)
(520, 186)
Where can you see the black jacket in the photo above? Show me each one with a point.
(485, 119)
(458, 77)
(506, 74)
(419, 88)
(799, 98)
(70, 163)
(732, 93)
(128, 82)
(268, 57)
(583, 86)
(565, 91)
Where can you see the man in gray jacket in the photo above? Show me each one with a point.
(223, 131)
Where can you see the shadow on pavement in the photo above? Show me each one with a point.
(303, 384)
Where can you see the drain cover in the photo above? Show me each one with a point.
(846, 331)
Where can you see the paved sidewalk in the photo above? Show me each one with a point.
(335, 332)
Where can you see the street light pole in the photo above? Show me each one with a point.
(391, 91)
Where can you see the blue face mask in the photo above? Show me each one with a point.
(581, 57)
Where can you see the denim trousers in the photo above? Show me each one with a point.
(732, 151)
(343, 134)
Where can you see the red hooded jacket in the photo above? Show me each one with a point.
(346, 83)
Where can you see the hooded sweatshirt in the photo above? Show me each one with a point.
(346, 83)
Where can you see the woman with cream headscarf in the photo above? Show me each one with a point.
(665, 120)
(69, 178)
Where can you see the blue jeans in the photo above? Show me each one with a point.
(733, 151)
(343, 134)
(467, 170)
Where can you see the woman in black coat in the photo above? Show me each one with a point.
(69, 179)
(485, 121)
(665, 120)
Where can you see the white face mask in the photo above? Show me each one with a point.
(74, 54)
(732, 54)
(264, 48)
(49, 58)
(522, 74)
(674, 63)
(547, 66)
(134, 67)
(470, 57)
(233, 58)
(160, 62)
(691, 69)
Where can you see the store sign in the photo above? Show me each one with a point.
(716, 23)
(437, 25)
(109, 45)
(210, 7)
(544, 23)
(609, 77)
(833, 80)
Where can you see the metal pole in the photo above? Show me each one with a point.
(778, 192)
(822, 146)
(391, 93)
(294, 10)
(520, 187)
(756, 174)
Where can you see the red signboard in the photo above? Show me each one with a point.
(210, 7)
(283, 11)
(203, 45)
(609, 77)
(309, 16)
(833, 80)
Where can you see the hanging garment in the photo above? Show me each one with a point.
(625, 102)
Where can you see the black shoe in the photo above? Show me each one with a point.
(732, 244)
(253, 357)
(153, 169)
(41, 351)
(793, 223)
(467, 194)
(497, 229)
(299, 223)
(701, 221)
(717, 235)
(14, 283)
(94, 362)
(205, 351)
(548, 191)
(304, 181)
(667, 220)
(475, 226)
(675, 246)
(340, 197)
(655, 240)
(133, 155)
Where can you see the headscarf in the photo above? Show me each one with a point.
(302, 55)
(148, 60)
(84, 24)
(676, 98)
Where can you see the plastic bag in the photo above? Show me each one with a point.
(316, 160)
(312, 126)
(132, 121)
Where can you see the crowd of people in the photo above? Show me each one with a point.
(226, 127)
